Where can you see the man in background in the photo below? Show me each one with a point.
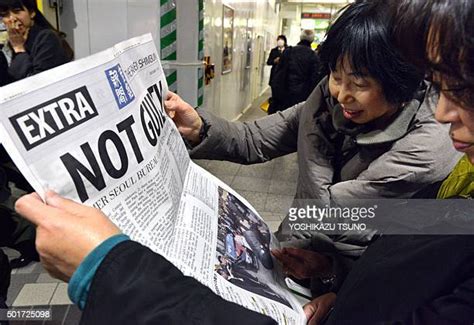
(296, 75)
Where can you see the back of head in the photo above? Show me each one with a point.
(362, 35)
(307, 35)
(39, 19)
(438, 35)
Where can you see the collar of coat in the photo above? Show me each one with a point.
(32, 34)
(396, 128)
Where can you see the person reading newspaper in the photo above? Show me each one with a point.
(96, 132)
(116, 280)
(446, 301)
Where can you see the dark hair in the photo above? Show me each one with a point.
(283, 37)
(39, 19)
(362, 34)
(440, 38)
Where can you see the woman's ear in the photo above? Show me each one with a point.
(32, 14)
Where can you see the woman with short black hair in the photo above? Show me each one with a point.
(360, 135)
(367, 131)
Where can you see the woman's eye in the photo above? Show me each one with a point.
(360, 85)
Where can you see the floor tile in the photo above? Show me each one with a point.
(218, 167)
(278, 203)
(58, 314)
(16, 284)
(264, 170)
(256, 199)
(30, 268)
(73, 316)
(285, 174)
(273, 225)
(226, 178)
(271, 216)
(282, 187)
(201, 162)
(35, 294)
(252, 184)
(11, 253)
(46, 278)
(60, 296)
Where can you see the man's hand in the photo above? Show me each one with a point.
(185, 117)
(318, 308)
(67, 231)
(301, 263)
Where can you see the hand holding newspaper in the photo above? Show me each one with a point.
(95, 131)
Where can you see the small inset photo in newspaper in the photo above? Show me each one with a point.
(243, 248)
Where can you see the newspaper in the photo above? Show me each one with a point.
(95, 131)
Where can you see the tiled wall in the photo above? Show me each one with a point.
(229, 94)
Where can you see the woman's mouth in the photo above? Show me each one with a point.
(461, 146)
(351, 113)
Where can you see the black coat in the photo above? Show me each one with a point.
(43, 51)
(4, 279)
(133, 285)
(274, 53)
(412, 280)
(296, 75)
(5, 78)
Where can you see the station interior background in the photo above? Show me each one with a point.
(235, 38)
(188, 31)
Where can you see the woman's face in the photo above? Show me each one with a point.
(20, 19)
(462, 124)
(361, 98)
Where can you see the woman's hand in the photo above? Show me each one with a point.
(185, 117)
(301, 263)
(318, 308)
(16, 37)
(66, 231)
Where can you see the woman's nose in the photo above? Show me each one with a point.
(344, 95)
(446, 110)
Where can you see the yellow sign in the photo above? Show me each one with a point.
(40, 5)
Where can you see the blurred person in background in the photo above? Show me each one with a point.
(296, 74)
(275, 54)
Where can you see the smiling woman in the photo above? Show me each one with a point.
(367, 131)
(369, 78)
(361, 96)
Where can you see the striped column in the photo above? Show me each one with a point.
(201, 53)
(168, 39)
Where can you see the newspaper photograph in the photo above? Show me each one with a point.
(96, 131)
